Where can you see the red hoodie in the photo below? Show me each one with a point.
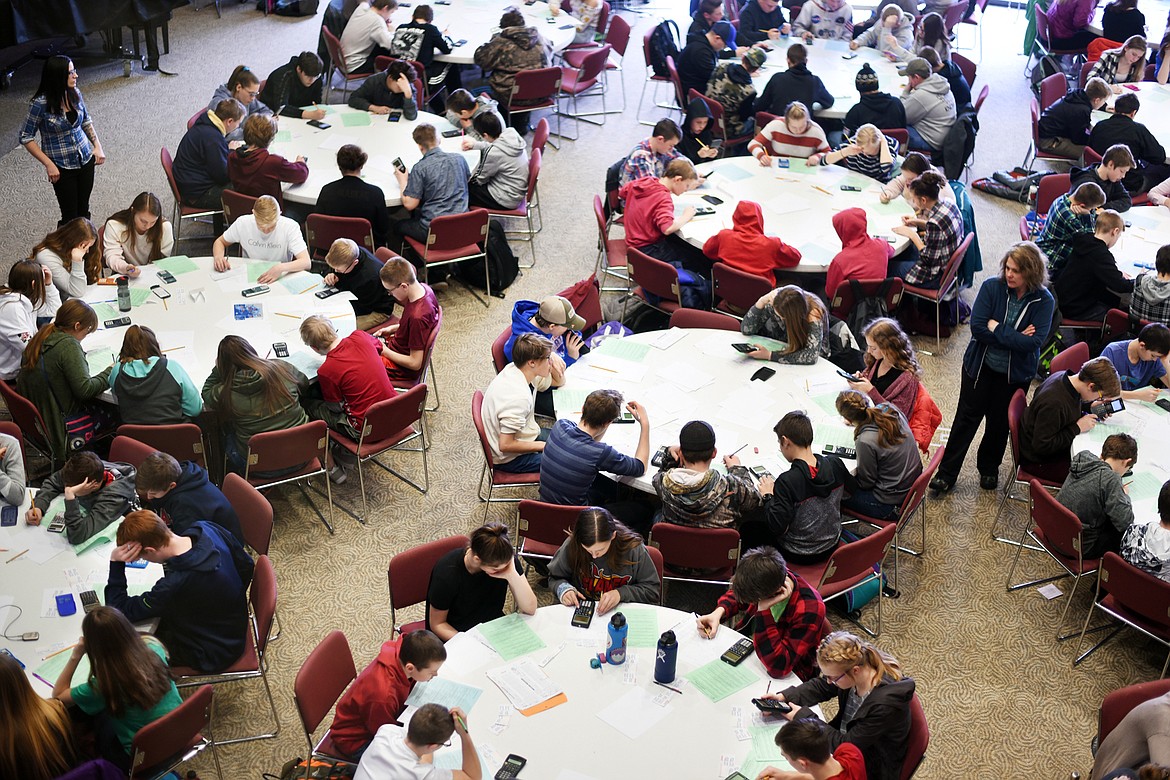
(649, 211)
(861, 256)
(256, 172)
(745, 246)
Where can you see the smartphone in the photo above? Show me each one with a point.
(551, 20)
(744, 348)
(712, 200)
(259, 289)
(511, 767)
(7, 652)
(393, 117)
(328, 292)
(167, 277)
(160, 292)
(452, 133)
(280, 349)
(8, 517)
(847, 376)
(849, 55)
(1163, 403)
(317, 123)
(121, 322)
(398, 164)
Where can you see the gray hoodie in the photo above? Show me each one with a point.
(483, 104)
(902, 33)
(87, 515)
(930, 109)
(12, 479)
(1151, 298)
(888, 471)
(1094, 493)
(503, 168)
(636, 581)
(257, 106)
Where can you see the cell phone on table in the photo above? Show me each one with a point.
(1163, 403)
(8, 516)
(704, 211)
(712, 200)
(167, 277)
(460, 42)
(452, 133)
(328, 292)
(317, 123)
(850, 188)
(160, 292)
(393, 116)
(121, 322)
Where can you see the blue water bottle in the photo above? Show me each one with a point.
(665, 658)
(615, 649)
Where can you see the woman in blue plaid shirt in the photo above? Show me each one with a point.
(69, 147)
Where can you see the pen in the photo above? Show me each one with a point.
(14, 557)
(462, 723)
(732, 455)
(769, 688)
(664, 685)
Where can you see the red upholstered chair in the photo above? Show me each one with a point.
(617, 37)
(718, 120)
(705, 555)
(178, 736)
(676, 82)
(651, 78)
(983, 93)
(320, 681)
(540, 135)
(1016, 408)
(585, 295)
(303, 448)
(659, 567)
(584, 81)
(495, 478)
(524, 209)
(235, 205)
(337, 65)
(181, 211)
(975, 22)
(321, 231)
(1048, 190)
(953, 15)
(850, 566)
(28, 419)
(542, 528)
(195, 117)
(499, 357)
(1132, 597)
(1117, 704)
(183, 441)
(536, 90)
(654, 277)
(966, 66)
(428, 371)
(844, 300)
(123, 449)
(1034, 152)
(453, 238)
(899, 134)
(408, 575)
(1043, 40)
(254, 511)
(420, 70)
(694, 318)
(947, 283)
(919, 738)
(1071, 358)
(611, 252)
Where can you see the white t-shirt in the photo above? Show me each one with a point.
(364, 30)
(281, 245)
(18, 324)
(389, 758)
(508, 407)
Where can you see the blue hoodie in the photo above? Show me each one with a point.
(194, 498)
(522, 314)
(201, 159)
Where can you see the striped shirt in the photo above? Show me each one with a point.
(942, 235)
(572, 460)
(777, 140)
(1059, 228)
(870, 165)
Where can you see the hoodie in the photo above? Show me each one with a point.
(503, 168)
(825, 19)
(861, 255)
(804, 511)
(880, 109)
(706, 499)
(249, 415)
(201, 601)
(649, 211)
(902, 33)
(522, 314)
(194, 498)
(1090, 282)
(792, 84)
(888, 471)
(1094, 493)
(510, 51)
(156, 391)
(201, 159)
(257, 106)
(13, 482)
(696, 63)
(731, 85)
(86, 515)
(1151, 299)
(283, 91)
(635, 580)
(483, 105)
(18, 324)
(258, 172)
(930, 109)
(691, 143)
(744, 246)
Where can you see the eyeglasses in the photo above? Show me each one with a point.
(833, 680)
(253, 94)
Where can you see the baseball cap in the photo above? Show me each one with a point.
(725, 31)
(916, 67)
(755, 58)
(559, 311)
(696, 436)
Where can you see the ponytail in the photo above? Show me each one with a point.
(73, 312)
(856, 409)
(849, 650)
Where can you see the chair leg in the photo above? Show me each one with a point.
(362, 481)
(1064, 612)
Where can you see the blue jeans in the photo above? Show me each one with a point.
(917, 142)
(528, 463)
(863, 501)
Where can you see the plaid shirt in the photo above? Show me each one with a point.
(787, 646)
(65, 143)
(1106, 68)
(1146, 306)
(942, 235)
(1060, 227)
(644, 163)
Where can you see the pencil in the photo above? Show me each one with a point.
(14, 557)
(312, 286)
(58, 652)
(700, 140)
(732, 455)
(664, 685)
(172, 349)
(165, 307)
(822, 189)
(294, 316)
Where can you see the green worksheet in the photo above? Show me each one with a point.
(510, 636)
(718, 680)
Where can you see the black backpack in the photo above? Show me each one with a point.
(294, 7)
(866, 308)
(1045, 67)
(663, 43)
(504, 265)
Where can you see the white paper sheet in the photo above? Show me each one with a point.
(338, 140)
(686, 377)
(524, 683)
(634, 714)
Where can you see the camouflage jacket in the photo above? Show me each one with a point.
(510, 51)
(731, 85)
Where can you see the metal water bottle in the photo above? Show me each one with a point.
(665, 658)
(123, 293)
(615, 649)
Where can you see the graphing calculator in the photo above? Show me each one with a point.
(8, 515)
(167, 277)
(57, 526)
(772, 705)
(737, 652)
(840, 452)
(121, 322)
(259, 289)
(280, 349)
(328, 292)
(89, 601)
(745, 348)
(583, 614)
(511, 767)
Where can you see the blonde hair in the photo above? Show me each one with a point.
(849, 650)
(318, 333)
(855, 407)
(341, 253)
(266, 210)
(795, 110)
(868, 134)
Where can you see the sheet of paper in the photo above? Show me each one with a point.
(176, 264)
(1049, 591)
(730, 172)
(355, 119)
(446, 692)
(107, 534)
(511, 637)
(667, 338)
(786, 203)
(569, 400)
(302, 283)
(621, 369)
(570, 774)
(490, 759)
(684, 376)
(139, 296)
(643, 623)
(634, 714)
(42, 545)
(717, 680)
(1143, 486)
(99, 360)
(626, 349)
(283, 137)
(524, 683)
(256, 270)
(335, 141)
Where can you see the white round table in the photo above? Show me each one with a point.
(475, 21)
(825, 59)
(798, 204)
(591, 735)
(1150, 425)
(378, 137)
(1149, 229)
(1154, 111)
(701, 377)
(201, 311)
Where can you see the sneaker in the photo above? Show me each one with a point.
(337, 474)
(941, 484)
(989, 481)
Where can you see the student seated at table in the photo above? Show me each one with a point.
(1124, 65)
(1095, 493)
(793, 135)
(436, 186)
(251, 395)
(12, 477)
(468, 586)
(137, 236)
(603, 561)
(869, 153)
(463, 108)
(805, 745)
(1055, 416)
(932, 32)
(516, 46)
(1064, 125)
(405, 354)
(877, 108)
(695, 495)
(243, 86)
(914, 164)
(953, 74)
(1141, 362)
(861, 257)
(697, 60)
(509, 418)
(390, 90)
(1122, 128)
(555, 319)
(761, 20)
(201, 159)
(29, 292)
(73, 257)
(930, 106)
(887, 456)
(1068, 24)
(704, 14)
(352, 268)
(398, 753)
(650, 157)
(295, 88)
(1072, 213)
(1090, 284)
(1147, 545)
(745, 246)
(150, 388)
(731, 86)
(254, 170)
(698, 140)
(825, 19)
(352, 378)
(182, 495)
(796, 84)
(265, 236)
(893, 32)
(1108, 175)
(791, 315)
(129, 684)
(367, 35)
(96, 493)
(784, 612)
(873, 701)
(39, 731)
(426, 40)
(201, 601)
(500, 181)
(892, 373)
(378, 695)
(1121, 19)
(1151, 291)
(351, 196)
(54, 375)
(935, 232)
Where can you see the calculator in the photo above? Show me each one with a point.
(583, 614)
(737, 652)
(89, 601)
(511, 767)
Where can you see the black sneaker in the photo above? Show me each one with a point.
(941, 484)
(989, 481)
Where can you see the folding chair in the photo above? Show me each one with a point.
(174, 738)
(254, 511)
(676, 82)
(983, 93)
(9, 428)
(585, 295)
(1016, 408)
(236, 205)
(899, 134)
(651, 78)
(337, 65)
(499, 357)
(844, 300)
(702, 555)
(694, 318)
(408, 575)
(495, 478)
(524, 209)
(1132, 597)
(304, 452)
(948, 283)
(1048, 190)
(611, 252)
(1070, 358)
(1117, 704)
(428, 368)
(181, 210)
(736, 291)
(1034, 152)
(183, 441)
(321, 231)
(536, 90)
(652, 277)
(123, 449)
(919, 737)
(581, 82)
(319, 683)
(617, 37)
(966, 66)
(542, 528)
(453, 238)
(28, 419)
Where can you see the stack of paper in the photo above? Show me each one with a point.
(717, 680)
(525, 684)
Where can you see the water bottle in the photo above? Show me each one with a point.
(123, 293)
(665, 658)
(615, 649)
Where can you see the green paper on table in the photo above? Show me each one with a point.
(1143, 486)
(139, 295)
(283, 136)
(717, 680)
(798, 165)
(440, 690)
(107, 534)
(355, 119)
(510, 636)
(569, 400)
(643, 625)
(731, 173)
(105, 311)
(625, 349)
(314, 107)
(256, 270)
(772, 345)
(1155, 95)
(837, 435)
(896, 207)
(51, 669)
(99, 360)
(302, 283)
(764, 752)
(177, 264)
(828, 404)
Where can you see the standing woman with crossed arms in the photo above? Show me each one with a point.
(69, 147)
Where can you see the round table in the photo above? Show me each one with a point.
(1148, 229)
(380, 138)
(698, 375)
(592, 735)
(826, 60)
(476, 21)
(798, 203)
(1150, 425)
(201, 309)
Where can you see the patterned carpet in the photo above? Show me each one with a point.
(999, 692)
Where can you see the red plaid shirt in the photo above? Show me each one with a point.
(787, 646)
